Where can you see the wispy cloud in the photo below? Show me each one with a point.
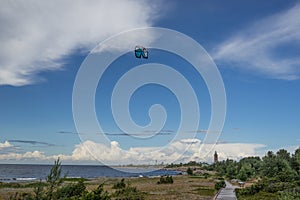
(32, 142)
(36, 35)
(145, 133)
(267, 47)
(204, 131)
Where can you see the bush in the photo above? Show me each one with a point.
(126, 192)
(220, 184)
(71, 190)
(293, 195)
(206, 175)
(97, 194)
(120, 185)
(189, 171)
(165, 180)
(129, 193)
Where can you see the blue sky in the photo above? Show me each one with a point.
(255, 46)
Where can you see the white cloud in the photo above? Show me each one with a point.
(6, 144)
(145, 155)
(114, 154)
(262, 46)
(91, 152)
(36, 35)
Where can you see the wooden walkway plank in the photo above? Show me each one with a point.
(227, 193)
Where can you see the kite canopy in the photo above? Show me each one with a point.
(141, 51)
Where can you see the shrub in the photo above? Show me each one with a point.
(189, 171)
(293, 195)
(220, 184)
(129, 193)
(126, 192)
(97, 194)
(71, 190)
(165, 180)
(54, 179)
(120, 185)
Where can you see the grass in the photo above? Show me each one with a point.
(74, 179)
(21, 185)
(184, 187)
(203, 191)
(259, 196)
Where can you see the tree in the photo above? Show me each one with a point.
(231, 171)
(53, 179)
(295, 161)
(242, 175)
(276, 167)
(284, 154)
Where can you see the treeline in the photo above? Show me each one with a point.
(278, 174)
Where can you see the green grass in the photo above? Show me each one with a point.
(74, 179)
(194, 176)
(204, 191)
(22, 185)
(259, 196)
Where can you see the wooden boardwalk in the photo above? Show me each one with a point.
(227, 193)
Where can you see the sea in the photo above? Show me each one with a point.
(27, 172)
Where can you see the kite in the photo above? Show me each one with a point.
(141, 51)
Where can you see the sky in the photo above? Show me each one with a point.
(44, 46)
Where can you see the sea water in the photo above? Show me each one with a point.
(27, 172)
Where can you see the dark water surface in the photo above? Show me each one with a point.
(25, 172)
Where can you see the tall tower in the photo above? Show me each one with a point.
(215, 157)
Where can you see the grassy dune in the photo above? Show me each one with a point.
(184, 187)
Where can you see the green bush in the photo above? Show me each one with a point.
(97, 194)
(165, 180)
(120, 185)
(293, 195)
(126, 192)
(71, 190)
(129, 193)
(189, 171)
(220, 184)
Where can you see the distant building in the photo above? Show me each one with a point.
(215, 157)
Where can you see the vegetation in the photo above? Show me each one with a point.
(53, 179)
(274, 176)
(120, 185)
(278, 175)
(189, 171)
(55, 189)
(191, 163)
(165, 180)
(204, 191)
(220, 184)
(126, 192)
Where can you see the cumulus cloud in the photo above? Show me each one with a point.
(92, 152)
(6, 144)
(115, 155)
(36, 35)
(267, 47)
